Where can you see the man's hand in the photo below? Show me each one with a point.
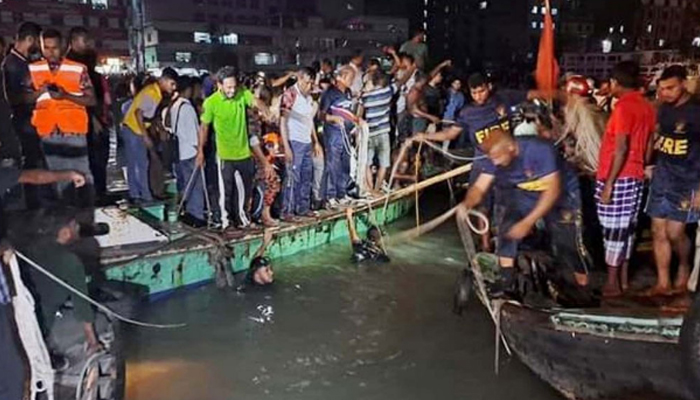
(318, 151)
(419, 137)
(57, 93)
(199, 159)
(348, 212)
(520, 230)
(446, 63)
(77, 178)
(649, 172)
(268, 170)
(147, 142)
(606, 195)
(696, 202)
(5, 252)
(288, 155)
(435, 120)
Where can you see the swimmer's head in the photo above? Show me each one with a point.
(500, 147)
(374, 235)
(261, 270)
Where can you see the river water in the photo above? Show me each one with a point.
(330, 330)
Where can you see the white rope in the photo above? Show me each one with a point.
(83, 373)
(41, 371)
(92, 301)
(451, 155)
(482, 217)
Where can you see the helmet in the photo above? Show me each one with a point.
(578, 85)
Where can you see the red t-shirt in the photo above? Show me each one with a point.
(633, 116)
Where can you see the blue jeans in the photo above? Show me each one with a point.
(337, 165)
(300, 174)
(136, 165)
(194, 203)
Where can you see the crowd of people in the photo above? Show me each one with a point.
(252, 148)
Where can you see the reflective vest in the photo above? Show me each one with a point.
(51, 115)
(152, 91)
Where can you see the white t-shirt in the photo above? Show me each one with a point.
(300, 112)
(402, 101)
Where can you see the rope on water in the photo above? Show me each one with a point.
(90, 300)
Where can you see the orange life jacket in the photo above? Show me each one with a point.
(50, 114)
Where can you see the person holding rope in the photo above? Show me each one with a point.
(185, 125)
(536, 185)
(370, 249)
(488, 112)
(13, 376)
(47, 238)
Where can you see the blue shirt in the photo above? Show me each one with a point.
(522, 181)
(677, 147)
(335, 102)
(455, 103)
(377, 105)
(478, 121)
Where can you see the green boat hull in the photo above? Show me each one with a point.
(190, 262)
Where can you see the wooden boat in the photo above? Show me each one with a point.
(144, 249)
(622, 350)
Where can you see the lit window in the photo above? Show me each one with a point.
(543, 10)
(96, 4)
(624, 41)
(202, 37)
(534, 9)
(555, 11)
(483, 5)
(231, 38)
(265, 59)
(534, 25)
(649, 28)
(541, 25)
(607, 46)
(696, 42)
(662, 42)
(622, 29)
(611, 29)
(425, 13)
(183, 56)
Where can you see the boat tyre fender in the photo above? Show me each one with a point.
(463, 290)
(690, 348)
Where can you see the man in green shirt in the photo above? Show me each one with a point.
(417, 48)
(228, 111)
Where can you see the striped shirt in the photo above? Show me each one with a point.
(377, 105)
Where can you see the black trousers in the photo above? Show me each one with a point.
(12, 366)
(237, 177)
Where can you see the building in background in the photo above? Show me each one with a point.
(255, 34)
(105, 19)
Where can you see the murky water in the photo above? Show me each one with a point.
(330, 330)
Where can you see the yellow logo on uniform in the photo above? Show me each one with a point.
(538, 185)
(670, 146)
(484, 133)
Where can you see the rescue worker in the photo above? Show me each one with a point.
(63, 92)
(536, 185)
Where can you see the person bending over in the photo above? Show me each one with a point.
(370, 249)
(537, 186)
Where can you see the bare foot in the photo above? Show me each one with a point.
(270, 223)
(657, 291)
(611, 291)
(680, 285)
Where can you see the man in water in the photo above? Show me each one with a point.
(260, 272)
(370, 249)
(673, 198)
(536, 185)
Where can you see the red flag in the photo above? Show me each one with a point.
(547, 73)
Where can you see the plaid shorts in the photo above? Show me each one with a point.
(619, 218)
